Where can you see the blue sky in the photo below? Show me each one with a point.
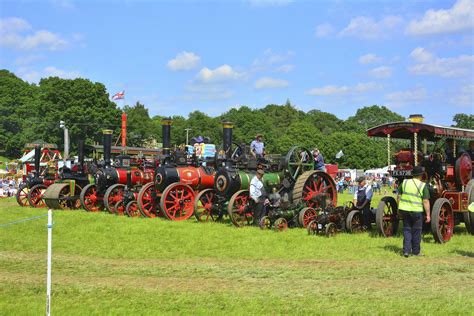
(180, 56)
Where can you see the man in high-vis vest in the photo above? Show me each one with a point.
(413, 197)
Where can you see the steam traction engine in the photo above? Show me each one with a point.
(110, 180)
(35, 183)
(448, 174)
(172, 193)
(64, 192)
(296, 189)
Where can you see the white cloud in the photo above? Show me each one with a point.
(339, 90)
(270, 83)
(13, 35)
(184, 61)
(367, 28)
(406, 97)
(428, 64)
(370, 59)
(34, 76)
(207, 92)
(268, 3)
(381, 72)
(269, 59)
(63, 4)
(220, 74)
(456, 19)
(285, 68)
(25, 60)
(324, 30)
(464, 97)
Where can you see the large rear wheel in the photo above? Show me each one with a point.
(442, 221)
(469, 216)
(90, 201)
(113, 195)
(306, 215)
(386, 217)
(239, 209)
(204, 206)
(315, 189)
(177, 202)
(147, 200)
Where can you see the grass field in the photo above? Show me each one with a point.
(104, 264)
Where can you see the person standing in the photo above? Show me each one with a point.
(258, 195)
(362, 197)
(257, 147)
(413, 197)
(318, 160)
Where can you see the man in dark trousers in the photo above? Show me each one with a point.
(258, 196)
(413, 197)
(362, 198)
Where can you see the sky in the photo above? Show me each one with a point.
(175, 57)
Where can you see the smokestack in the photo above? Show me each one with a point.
(80, 154)
(129, 178)
(227, 139)
(107, 145)
(166, 124)
(37, 160)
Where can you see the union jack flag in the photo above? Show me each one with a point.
(119, 95)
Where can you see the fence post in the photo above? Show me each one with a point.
(48, 278)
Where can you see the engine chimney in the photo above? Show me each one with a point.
(107, 146)
(37, 160)
(416, 118)
(80, 154)
(227, 139)
(166, 124)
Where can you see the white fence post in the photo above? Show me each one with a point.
(48, 278)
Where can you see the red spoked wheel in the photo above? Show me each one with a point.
(147, 200)
(113, 195)
(204, 204)
(306, 215)
(316, 189)
(22, 195)
(442, 221)
(132, 209)
(386, 217)
(90, 200)
(313, 227)
(239, 209)
(177, 202)
(280, 225)
(119, 208)
(35, 196)
(265, 223)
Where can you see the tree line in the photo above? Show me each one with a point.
(30, 112)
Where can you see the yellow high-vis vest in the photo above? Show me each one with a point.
(411, 199)
(471, 207)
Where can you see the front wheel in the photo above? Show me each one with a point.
(204, 204)
(132, 209)
(239, 209)
(35, 196)
(90, 200)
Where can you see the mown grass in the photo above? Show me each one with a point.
(104, 264)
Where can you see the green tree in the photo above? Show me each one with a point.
(464, 120)
(370, 116)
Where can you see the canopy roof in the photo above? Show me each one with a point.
(405, 130)
(128, 150)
